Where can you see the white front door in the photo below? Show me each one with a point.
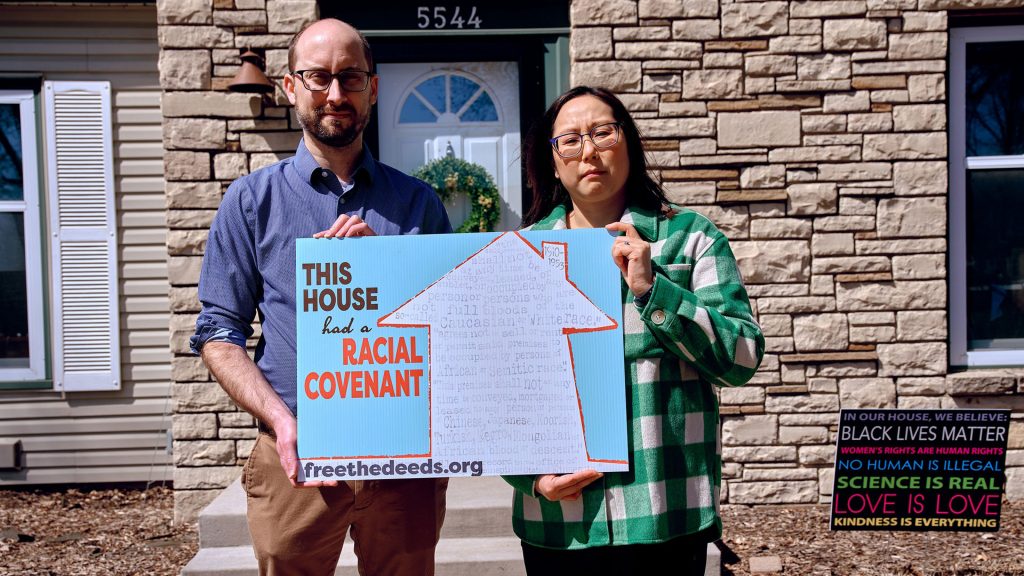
(471, 107)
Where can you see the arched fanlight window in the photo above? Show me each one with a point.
(448, 98)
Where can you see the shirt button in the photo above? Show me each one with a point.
(658, 316)
(324, 173)
(341, 200)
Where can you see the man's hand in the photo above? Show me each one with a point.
(287, 450)
(557, 487)
(346, 227)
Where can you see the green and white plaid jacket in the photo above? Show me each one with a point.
(697, 330)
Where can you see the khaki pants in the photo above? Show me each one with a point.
(395, 523)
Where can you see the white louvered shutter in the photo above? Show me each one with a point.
(83, 236)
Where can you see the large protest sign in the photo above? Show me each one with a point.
(451, 355)
(920, 469)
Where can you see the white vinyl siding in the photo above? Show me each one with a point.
(118, 435)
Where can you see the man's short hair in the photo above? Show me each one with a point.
(367, 53)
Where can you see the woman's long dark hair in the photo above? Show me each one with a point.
(641, 189)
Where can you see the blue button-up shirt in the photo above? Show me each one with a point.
(249, 266)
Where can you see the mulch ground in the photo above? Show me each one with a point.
(800, 537)
(82, 533)
(72, 532)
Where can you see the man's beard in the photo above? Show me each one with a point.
(330, 133)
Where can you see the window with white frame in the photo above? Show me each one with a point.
(986, 97)
(22, 327)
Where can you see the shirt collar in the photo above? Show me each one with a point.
(307, 166)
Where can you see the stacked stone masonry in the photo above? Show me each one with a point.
(211, 137)
(812, 132)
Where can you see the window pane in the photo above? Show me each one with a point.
(13, 301)
(433, 91)
(995, 99)
(11, 181)
(995, 259)
(481, 110)
(462, 90)
(414, 111)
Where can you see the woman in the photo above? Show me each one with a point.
(687, 326)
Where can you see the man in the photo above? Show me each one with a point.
(299, 528)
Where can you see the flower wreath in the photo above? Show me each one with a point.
(449, 175)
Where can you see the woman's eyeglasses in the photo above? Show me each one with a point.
(320, 80)
(570, 144)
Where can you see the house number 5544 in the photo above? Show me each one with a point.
(439, 17)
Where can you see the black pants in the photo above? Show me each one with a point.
(684, 556)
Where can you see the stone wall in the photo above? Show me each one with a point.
(813, 132)
(211, 137)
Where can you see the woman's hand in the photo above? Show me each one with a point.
(557, 487)
(632, 254)
(346, 227)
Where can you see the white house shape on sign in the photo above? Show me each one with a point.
(502, 380)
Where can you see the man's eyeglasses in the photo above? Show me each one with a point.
(320, 80)
(570, 144)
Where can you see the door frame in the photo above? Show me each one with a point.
(529, 51)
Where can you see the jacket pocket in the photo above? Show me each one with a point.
(679, 274)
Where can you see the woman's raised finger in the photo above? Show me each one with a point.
(628, 230)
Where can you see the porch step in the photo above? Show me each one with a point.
(476, 539)
(454, 557)
(477, 508)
